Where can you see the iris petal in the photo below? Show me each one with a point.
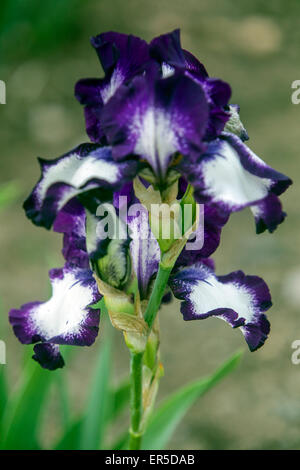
(154, 118)
(71, 221)
(144, 249)
(238, 299)
(48, 356)
(230, 176)
(66, 317)
(87, 167)
(121, 56)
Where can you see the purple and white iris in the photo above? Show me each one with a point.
(155, 114)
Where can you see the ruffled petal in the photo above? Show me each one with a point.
(122, 57)
(48, 356)
(154, 118)
(85, 168)
(238, 299)
(122, 52)
(268, 214)
(230, 176)
(167, 50)
(64, 319)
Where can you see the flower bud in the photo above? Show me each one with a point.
(114, 267)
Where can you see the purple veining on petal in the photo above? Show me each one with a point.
(125, 57)
(154, 118)
(238, 299)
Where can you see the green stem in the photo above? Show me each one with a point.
(157, 294)
(136, 364)
(136, 401)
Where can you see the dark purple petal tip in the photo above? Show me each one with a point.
(48, 356)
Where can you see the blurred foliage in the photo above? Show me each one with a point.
(21, 424)
(34, 27)
(9, 193)
(167, 417)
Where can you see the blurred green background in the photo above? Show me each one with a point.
(254, 45)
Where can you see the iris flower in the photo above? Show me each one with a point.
(155, 117)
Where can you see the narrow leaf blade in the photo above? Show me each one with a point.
(119, 399)
(171, 411)
(24, 409)
(71, 439)
(3, 392)
(95, 420)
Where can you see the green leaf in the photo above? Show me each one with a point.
(96, 416)
(63, 398)
(3, 392)
(71, 439)
(119, 399)
(165, 420)
(22, 415)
